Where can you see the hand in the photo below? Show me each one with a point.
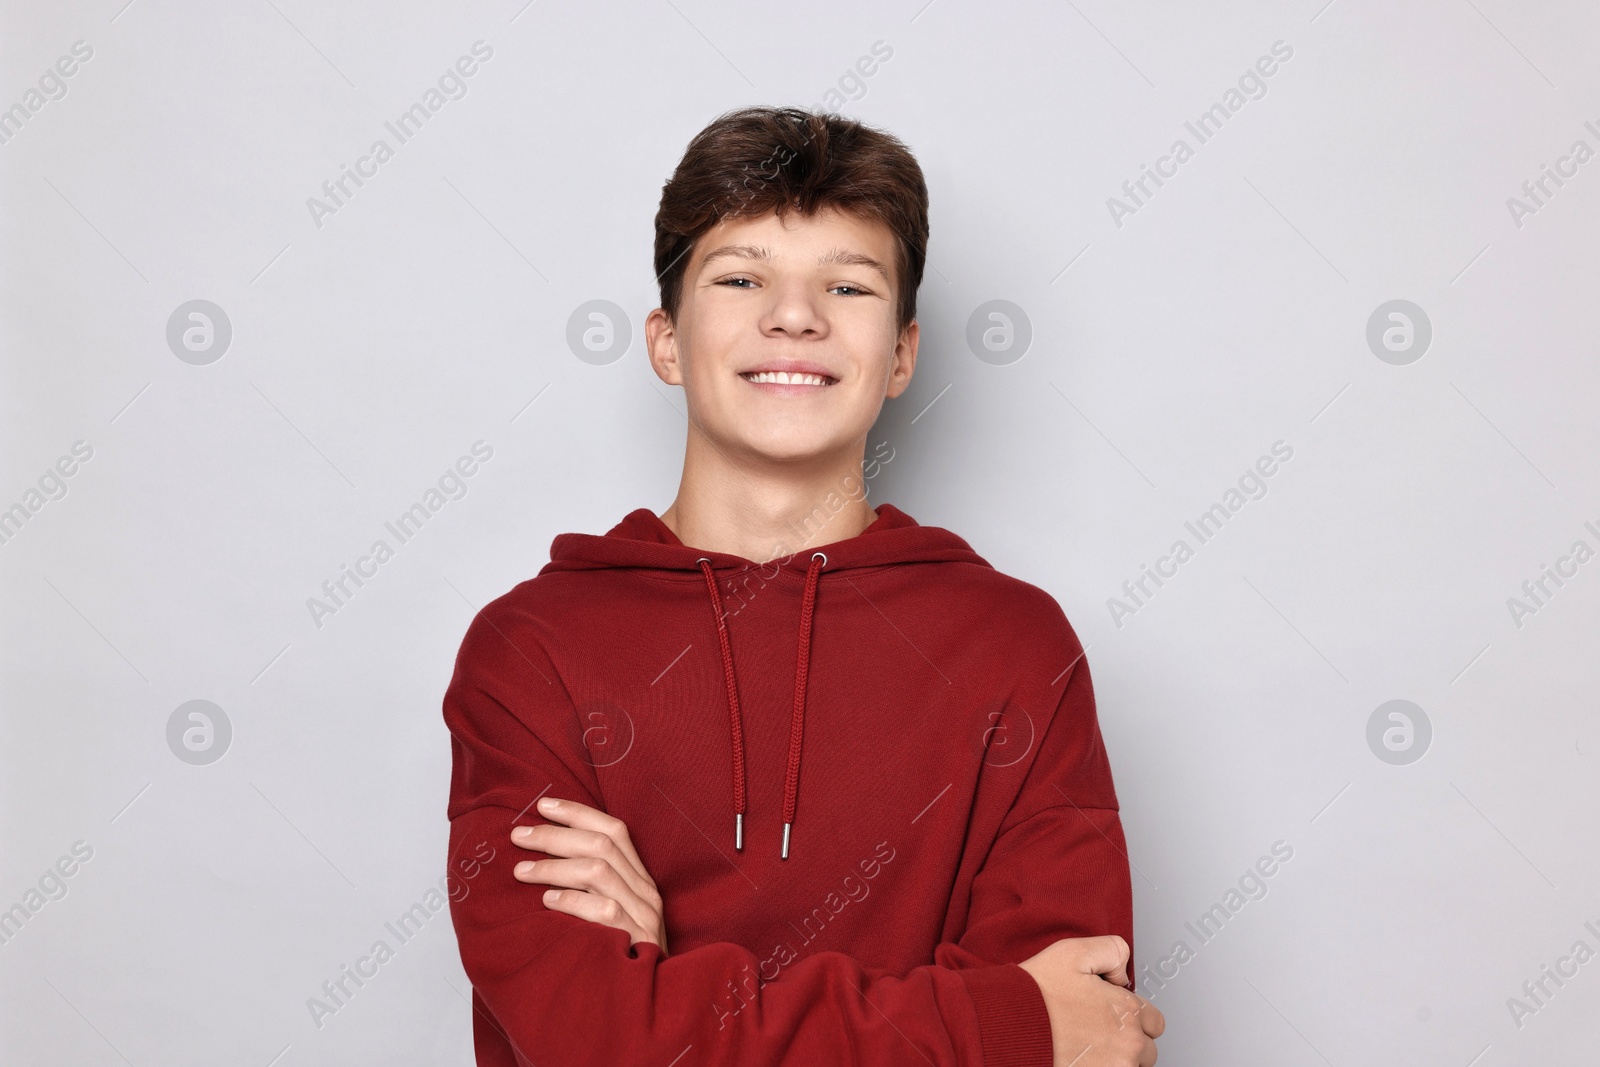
(1093, 1021)
(594, 871)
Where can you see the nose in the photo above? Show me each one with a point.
(793, 311)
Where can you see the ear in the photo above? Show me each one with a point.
(905, 359)
(661, 345)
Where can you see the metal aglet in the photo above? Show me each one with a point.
(738, 832)
(785, 841)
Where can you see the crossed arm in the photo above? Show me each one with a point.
(585, 975)
(595, 874)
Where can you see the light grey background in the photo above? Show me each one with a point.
(1227, 313)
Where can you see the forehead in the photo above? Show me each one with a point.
(797, 237)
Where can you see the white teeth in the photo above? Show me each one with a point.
(778, 377)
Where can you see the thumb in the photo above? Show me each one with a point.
(1105, 956)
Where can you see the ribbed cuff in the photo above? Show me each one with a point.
(1013, 1023)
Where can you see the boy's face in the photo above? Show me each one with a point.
(805, 294)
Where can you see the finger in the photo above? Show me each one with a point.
(1147, 1055)
(1126, 1006)
(1151, 1020)
(1131, 1008)
(1106, 956)
(593, 875)
(584, 817)
(557, 840)
(596, 909)
(563, 841)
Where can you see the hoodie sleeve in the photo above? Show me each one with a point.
(1058, 868)
(558, 989)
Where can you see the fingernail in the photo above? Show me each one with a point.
(552, 895)
(548, 804)
(523, 868)
(521, 832)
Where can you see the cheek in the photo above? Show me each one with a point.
(874, 353)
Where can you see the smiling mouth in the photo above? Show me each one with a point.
(778, 377)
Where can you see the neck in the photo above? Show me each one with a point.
(763, 511)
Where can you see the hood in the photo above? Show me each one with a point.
(642, 541)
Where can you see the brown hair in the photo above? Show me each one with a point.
(766, 159)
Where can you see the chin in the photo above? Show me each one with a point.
(787, 451)
(789, 448)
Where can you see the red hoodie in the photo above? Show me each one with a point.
(918, 727)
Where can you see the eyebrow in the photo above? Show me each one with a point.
(764, 254)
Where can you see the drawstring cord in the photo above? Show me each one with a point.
(735, 724)
(797, 723)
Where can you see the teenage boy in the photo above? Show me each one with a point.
(852, 772)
